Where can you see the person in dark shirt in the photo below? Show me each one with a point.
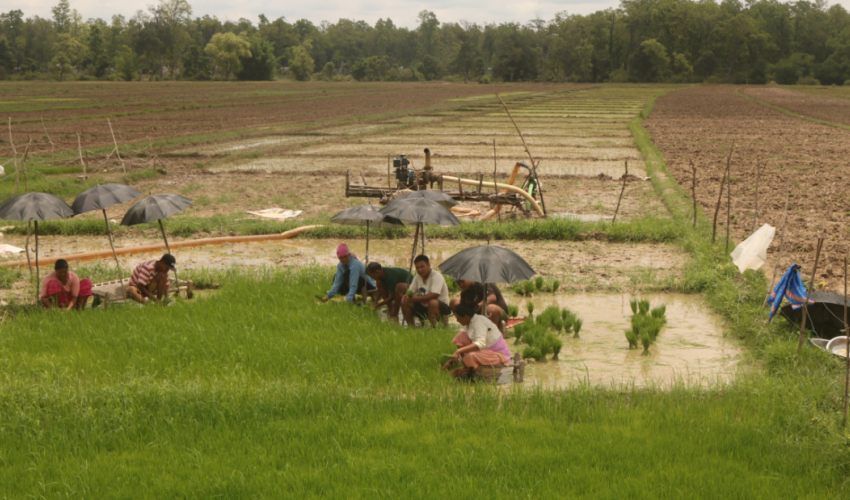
(392, 284)
(472, 293)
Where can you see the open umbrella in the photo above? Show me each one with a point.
(156, 208)
(487, 264)
(430, 194)
(35, 207)
(420, 211)
(101, 198)
(825, 316)
(366, 215)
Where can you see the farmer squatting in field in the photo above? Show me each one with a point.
(430, 297)
(479, 342)
(392, 285)
(350, 276)
(64, 289)
(151, 277)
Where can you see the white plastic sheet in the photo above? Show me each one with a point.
(752, 252)
(276, 213)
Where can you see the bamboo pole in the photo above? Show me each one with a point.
(720, 195)
(413, 252)
(495, 184)
(164, 237)
(24, 165)
(80, 149)
(15, 157)
(37, 272)
(759, 170)
(620, 199)
(694, 190)
(118, 153)
(112, 246)
(808, 294)
(728, 206)
(847, 352)
(525, 146)
(389, 182)
(52, 146)
(781, 245)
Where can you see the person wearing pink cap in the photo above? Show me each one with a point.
(350, 277)
(64, 289)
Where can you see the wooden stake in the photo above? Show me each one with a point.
(808, 294)
(116, 145)
(37, 273)
(620, 199)
(24, 165)
(389, 182)
(720, 195)
(759, 170)
(52, 146)
(164, 237)
(15, 158)
(112, 245)
(847, 346)
(495, 184)
(728, 206)
(80, 149)
(781, 244)
(694, 190)
(413, 252)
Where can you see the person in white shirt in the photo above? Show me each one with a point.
(479, 342)
(430, 294)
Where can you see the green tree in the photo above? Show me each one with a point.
(196, 65)
(62, 16)
(6, 60)
(225, 49)
(97, 52)
(66, 50)
(328, 72)
(260, 65)
(651, 63)
(128, 64)
(300, 62)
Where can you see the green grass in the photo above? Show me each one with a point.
(195, 401)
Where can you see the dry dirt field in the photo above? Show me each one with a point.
(822, 103)
(807, 158)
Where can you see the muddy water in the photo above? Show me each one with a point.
(690, 349)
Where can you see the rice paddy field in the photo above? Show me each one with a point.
(255, 389)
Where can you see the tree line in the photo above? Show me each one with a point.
(641, 41)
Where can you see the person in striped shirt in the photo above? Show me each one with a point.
(151, 278)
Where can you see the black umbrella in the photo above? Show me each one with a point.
(35, 207)
(487, 264)
(430, 194)
(155, 208)
(824, 317)
(420, 211)
(101, 198)
(366, 215)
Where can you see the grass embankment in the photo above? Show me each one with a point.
(261, 391)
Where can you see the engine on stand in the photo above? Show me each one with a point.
(409, 178)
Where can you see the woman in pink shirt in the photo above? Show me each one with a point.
(64, 289)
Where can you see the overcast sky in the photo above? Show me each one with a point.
(402, 12)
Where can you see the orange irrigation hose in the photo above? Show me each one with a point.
(157, 247)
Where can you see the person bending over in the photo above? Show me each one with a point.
(472, 293)
(479, 343)
(392, 284)
(350, 277)
(430, 294)
(149, 280)
(64, 289)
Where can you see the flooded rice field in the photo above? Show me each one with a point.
(690, 349)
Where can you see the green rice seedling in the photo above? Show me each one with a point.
(519, 289)
(632, 338)
(646, 340)
(410, 293)
(451, 284)
(557, 345)
(577, 327)
(518, 331)
(538, 282)
(556, 285)
(643, 306)
(529, 288)
(659, 313)
(530, 308)
(513, 311)
(548, 317)
(532, 352)
(633, 303)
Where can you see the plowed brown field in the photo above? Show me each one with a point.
(700, 125)
(809, 106)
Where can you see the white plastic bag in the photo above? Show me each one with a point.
(752, 252)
